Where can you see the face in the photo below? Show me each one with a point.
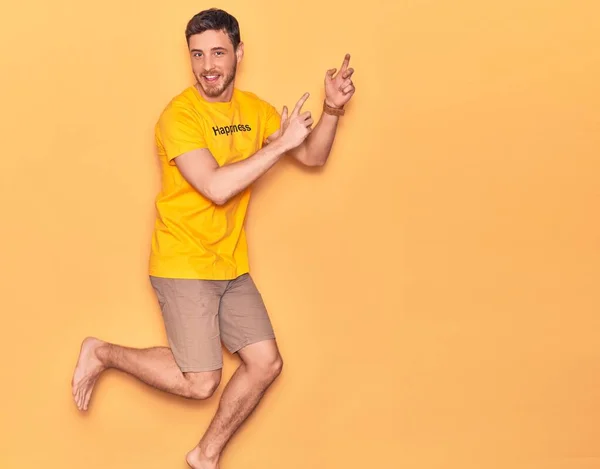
(214, 62)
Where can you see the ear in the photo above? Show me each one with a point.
(240, 52)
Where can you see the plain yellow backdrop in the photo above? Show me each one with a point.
(435, 288)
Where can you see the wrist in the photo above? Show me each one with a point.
(333, 110)
(330, 104)
(281, 146)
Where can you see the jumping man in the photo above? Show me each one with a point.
(214, 140)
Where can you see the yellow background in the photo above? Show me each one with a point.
(435, 288)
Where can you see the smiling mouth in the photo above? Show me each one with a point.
(210, 78)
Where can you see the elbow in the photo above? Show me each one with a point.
(218, 198)
(220, 201)
(316, 163)
(215, 194)
(315, 159)
(312, 160)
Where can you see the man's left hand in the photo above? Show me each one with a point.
(339, 89)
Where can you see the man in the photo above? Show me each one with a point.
(214, 141)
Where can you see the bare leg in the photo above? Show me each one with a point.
(261, 364)
(154, 366)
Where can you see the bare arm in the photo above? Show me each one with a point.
(221, 183)
(315, 150)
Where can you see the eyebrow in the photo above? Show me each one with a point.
(213, 49)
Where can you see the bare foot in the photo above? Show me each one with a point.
(87, 371)
(196, 460)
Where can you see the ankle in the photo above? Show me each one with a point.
(198, 458)
(208, 452)
(102, 353)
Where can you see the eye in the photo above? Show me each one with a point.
(197, 54)
(219, 53)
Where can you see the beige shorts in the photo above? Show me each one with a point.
(199, 315)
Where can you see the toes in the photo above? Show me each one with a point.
(86, 399)
(87, 394)
(80, 397)
(84, 394)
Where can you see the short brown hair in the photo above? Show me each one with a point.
(217, 20)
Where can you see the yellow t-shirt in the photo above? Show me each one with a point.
(193, 237)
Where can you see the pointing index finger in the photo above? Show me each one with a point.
(300, 103)
(345, 63)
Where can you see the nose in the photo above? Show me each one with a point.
(207, 63)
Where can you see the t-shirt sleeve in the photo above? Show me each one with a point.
(180, 131)
(273, 121)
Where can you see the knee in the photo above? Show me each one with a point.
(269, 369)
(203, 387)
(275, 367)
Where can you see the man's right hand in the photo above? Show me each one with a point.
(297, 127)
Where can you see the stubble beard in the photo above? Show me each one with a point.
(216, 91)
